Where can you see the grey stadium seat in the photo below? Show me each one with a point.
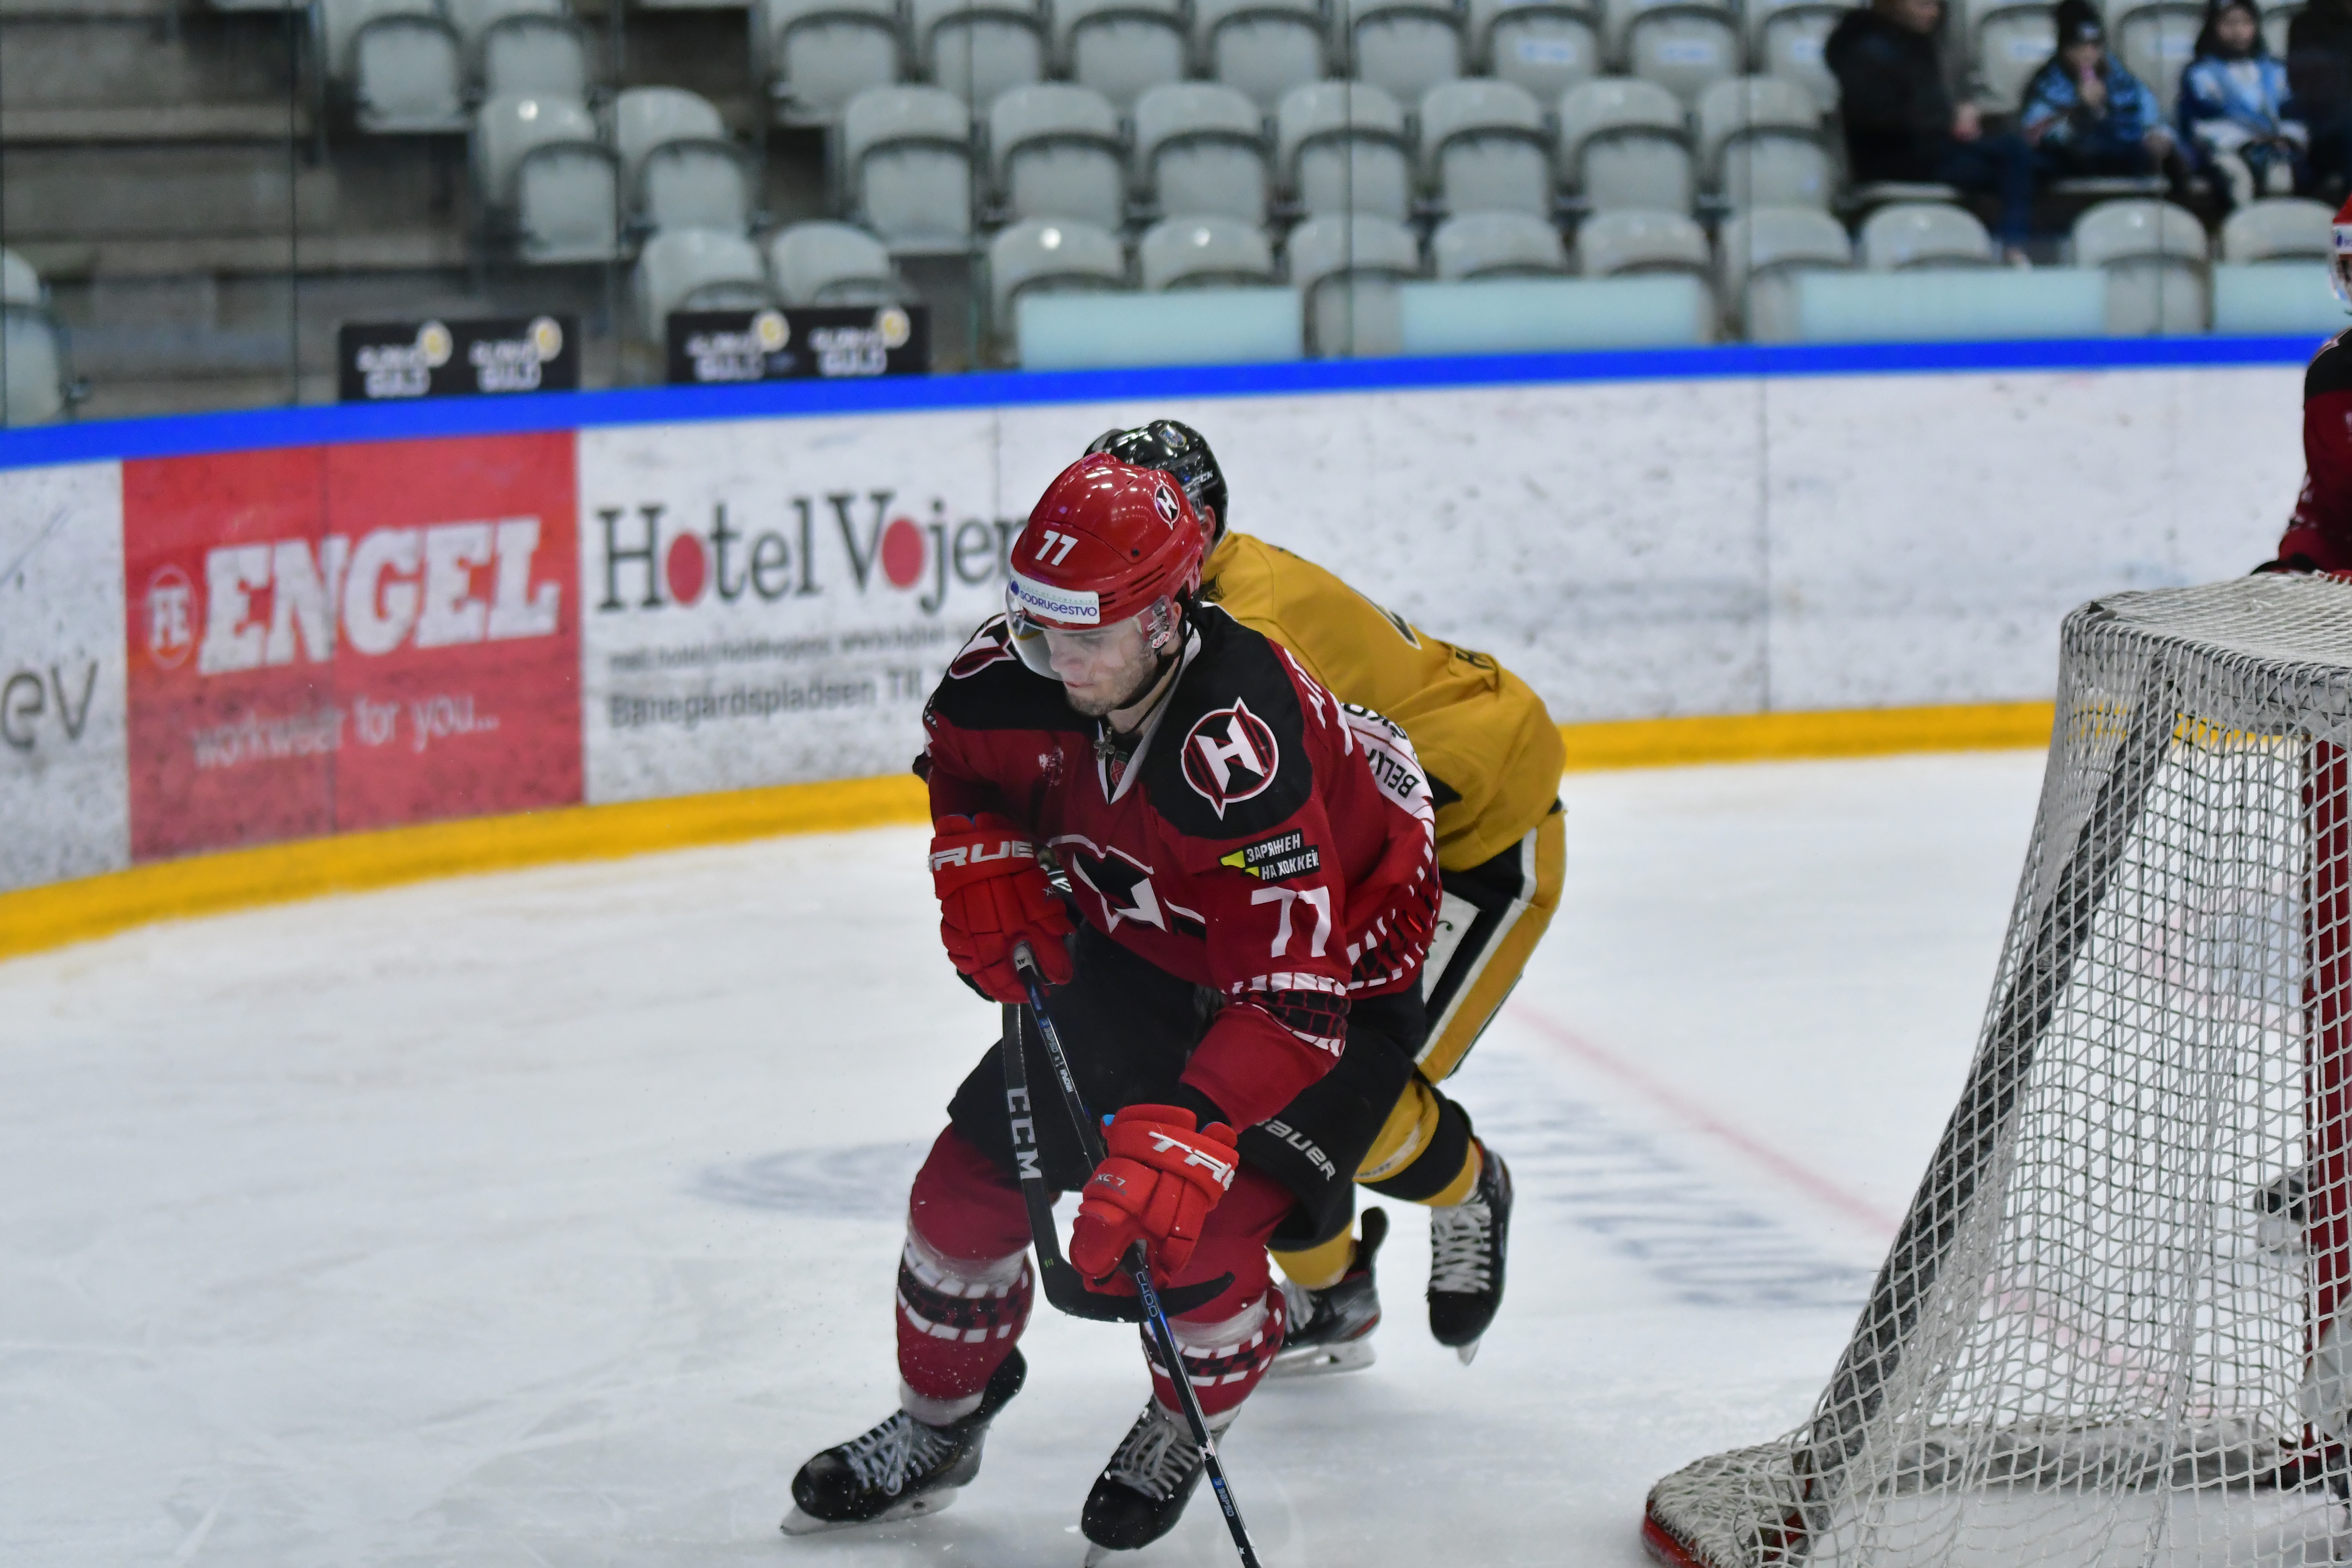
(1483, 147)
(698, 269)
(1402, 46)
(20, 284)
(35, 389)
(540, 163)
(1544, 46)
(1682, 45)
(1260, 47)
(820, 54)
(1910, 235)
(2281, 228)
(524, 47)
(1630, 242)
(678, 166)
(1760, 255)
(2009, 40)
(977, 48)
(1496, 244)
(1042, 254)
(1205, 251)
(1122, 48)
(2154, 255)
(1761, 144)
(1622, 144)
(905, 157)
(832, 264)
(1348, 267)
(2156, 39)
(1340, 147)
(1055, 152)
(1785, 39)
(1200, 147)
(2276, 18)
(402, 62)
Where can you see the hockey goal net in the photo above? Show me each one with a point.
(2107, 1330)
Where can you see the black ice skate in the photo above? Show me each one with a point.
(901, 1468)
(1141, 1492)
(1331, 1329)
(1466, 1244)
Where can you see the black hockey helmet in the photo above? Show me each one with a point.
(1178, 451)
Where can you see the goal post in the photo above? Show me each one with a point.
(2103, 1331)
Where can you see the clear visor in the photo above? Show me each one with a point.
(1035, 640)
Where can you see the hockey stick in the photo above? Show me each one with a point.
(1062, 1286)
(1138, 1262)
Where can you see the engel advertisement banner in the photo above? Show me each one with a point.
(243, 647)
(333, 638)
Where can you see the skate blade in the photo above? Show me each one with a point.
(799, 1524)
(1468, 1353)
(1322, 1361)
(1097, 1553)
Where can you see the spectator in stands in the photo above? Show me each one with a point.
(2087, 116)
(2233, 112)
(1902, 124)
(2319, 80)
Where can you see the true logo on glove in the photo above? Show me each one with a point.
(980, 854)
(1220, 1169)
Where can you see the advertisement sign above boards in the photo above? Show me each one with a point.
(343, 638)
(766, 602)
(64, 809)
(802, 342)
(395, 361)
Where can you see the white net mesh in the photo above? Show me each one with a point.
(2103, 1332)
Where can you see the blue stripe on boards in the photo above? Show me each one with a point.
(189, 433)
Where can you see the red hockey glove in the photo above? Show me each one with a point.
(993, 896)
(1156, 1185)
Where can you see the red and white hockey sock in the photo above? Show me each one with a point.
(1223, 1359)
(958, 1319)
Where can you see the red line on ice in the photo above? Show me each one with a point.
(1690, 1111)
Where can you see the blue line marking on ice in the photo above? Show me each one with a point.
(191, 434)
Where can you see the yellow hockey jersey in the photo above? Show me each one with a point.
(1493, 753)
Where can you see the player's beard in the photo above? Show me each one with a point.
(1150, 665)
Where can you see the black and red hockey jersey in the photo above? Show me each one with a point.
(2319, 535)
(1262, 839)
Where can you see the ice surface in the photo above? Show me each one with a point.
(551, 1217)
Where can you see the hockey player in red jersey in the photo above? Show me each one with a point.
(2319, 535)
(1255, 874)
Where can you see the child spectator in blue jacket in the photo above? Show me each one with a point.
(2084, 114)
(2233, 108)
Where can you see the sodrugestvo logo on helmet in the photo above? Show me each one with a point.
(1071, 606)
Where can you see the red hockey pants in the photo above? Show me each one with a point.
(964, 1283)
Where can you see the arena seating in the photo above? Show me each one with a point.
(2154, 255)
(1339, 147)
(1762, 253)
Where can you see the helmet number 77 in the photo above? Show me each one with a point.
(1056, 544)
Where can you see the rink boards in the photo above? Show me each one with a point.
(229, 631)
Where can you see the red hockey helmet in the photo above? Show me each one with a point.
(1108, 541)
(2339, 261)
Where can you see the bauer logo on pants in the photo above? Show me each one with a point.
(1229, 756)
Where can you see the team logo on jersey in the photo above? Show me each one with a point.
(992, 644)
(1230, 755)
(1164, 501)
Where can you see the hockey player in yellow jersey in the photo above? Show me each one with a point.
(1494, 759)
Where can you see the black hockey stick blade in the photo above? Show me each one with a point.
(1063, 1286)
